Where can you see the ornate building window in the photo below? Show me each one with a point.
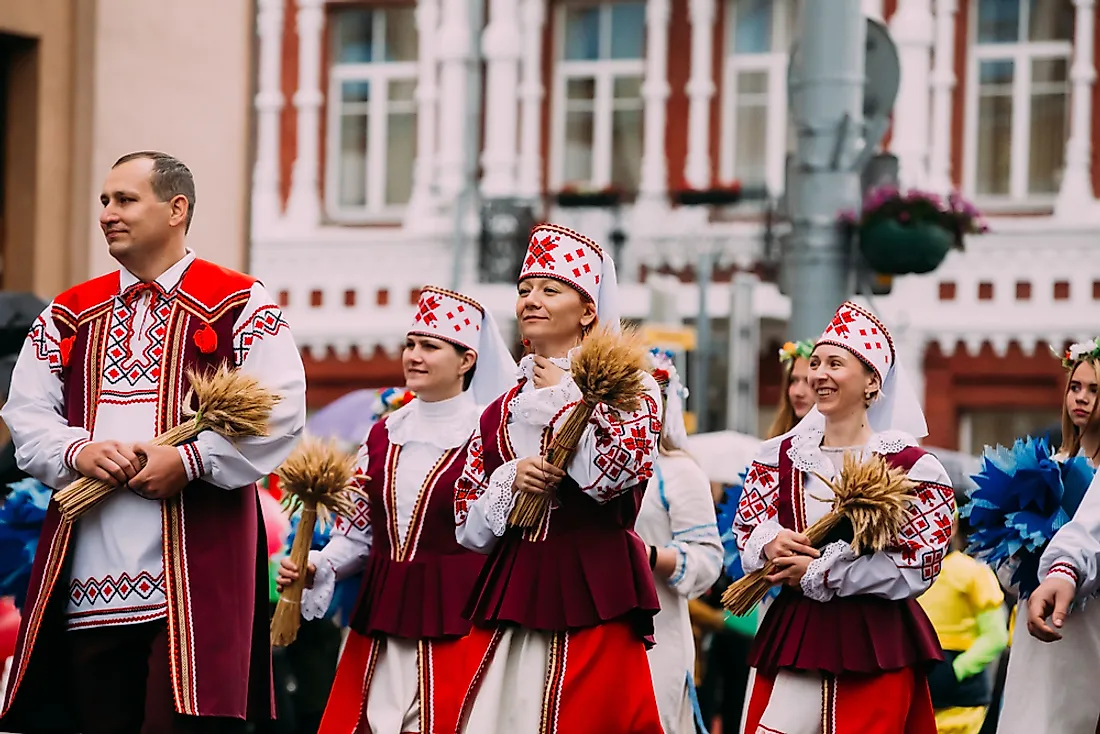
(755, 134)
(371, 119)
(1018, 98)
(597, 95)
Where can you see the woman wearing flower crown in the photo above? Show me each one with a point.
(1050, 687)
(677, 519)
(405, 666)
(844, 647)
(566, 607)
(796, 397)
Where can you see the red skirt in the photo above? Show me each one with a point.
(852, 634)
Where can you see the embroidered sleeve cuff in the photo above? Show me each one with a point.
(69, 458)
(680, 570)
(316, 600)
(815, 584)
(1065, 570)
(193, 462)
(752, 558)
(499, 498)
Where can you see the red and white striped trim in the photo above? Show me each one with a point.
(192, 460)
(1064, 569)
(74, 448)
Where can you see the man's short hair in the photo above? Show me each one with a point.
(170, 178)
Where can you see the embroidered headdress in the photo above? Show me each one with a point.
(462, 321)
(562, 254)
(897, 407)
(675, 394)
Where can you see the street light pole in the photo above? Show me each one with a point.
(466, 203)
(827, 109)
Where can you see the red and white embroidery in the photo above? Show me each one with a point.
(624, 447)
(448, 315)
(47, 347)
(473, 481)
(859, 331)
(759, 501)
(265, 321)
(110, 589)
(135, 348)
(926, 536)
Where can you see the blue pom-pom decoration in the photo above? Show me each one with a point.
(726, 511)
(21, 518)
(1023, 496)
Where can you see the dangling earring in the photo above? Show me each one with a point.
(526, 342)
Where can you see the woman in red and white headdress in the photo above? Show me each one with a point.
(405, 667)
(566, 607)
(844, 647)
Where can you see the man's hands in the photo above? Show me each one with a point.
(1051, 599)
(164, 475)
(536, 474)
(109, 461)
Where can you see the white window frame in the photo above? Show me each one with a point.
(379, 75)
(604, 71)
(775, 63)
(1021, 55)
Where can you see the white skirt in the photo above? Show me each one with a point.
(393, 702)
(1051, 686)
(510, 694)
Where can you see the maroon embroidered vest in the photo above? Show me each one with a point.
(414, 589)
(585, 567)
(861, 634)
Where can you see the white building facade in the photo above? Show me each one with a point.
(361, 148)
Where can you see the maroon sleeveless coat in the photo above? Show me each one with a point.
(416, 589)
(849, 634)
(582, 568)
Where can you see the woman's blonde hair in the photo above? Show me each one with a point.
(784, 416)
(1071, 435)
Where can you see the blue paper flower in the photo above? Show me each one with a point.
(1023, 497)
(726, 511)
(347, 590)
(21, 518)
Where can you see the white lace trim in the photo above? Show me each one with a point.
(500, 498)
(817, 573)
(752, 558)
(445, 426)
(317, 598)
(806, 455)
(538, 406)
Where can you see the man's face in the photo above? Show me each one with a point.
(133, 220)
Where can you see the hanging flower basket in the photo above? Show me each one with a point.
(912, 232)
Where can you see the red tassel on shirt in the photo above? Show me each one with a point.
(206, 339)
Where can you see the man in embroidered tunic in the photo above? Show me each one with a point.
(151, 610)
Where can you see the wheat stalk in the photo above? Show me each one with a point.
(231, 403)
(872, 495)
(607, 369)
(317, 480)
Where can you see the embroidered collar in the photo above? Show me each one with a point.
(806, 454)
(446, 424)
(130, 286)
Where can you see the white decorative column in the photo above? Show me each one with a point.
(304, 206)
(266, 207)
(454, 48)
(1076, 194)
(912, 29)
(422, 202)
(501, 46)
(943, 86)
(700, 89)
(654, 175)
(530, 92)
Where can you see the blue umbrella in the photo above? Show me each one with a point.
(346, 419)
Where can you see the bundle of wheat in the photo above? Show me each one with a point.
(317, 481)
(230, 402)
(608, 370)
(872, 495)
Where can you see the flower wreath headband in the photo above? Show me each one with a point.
(1089, 349)
(791, 351)
(664, 372)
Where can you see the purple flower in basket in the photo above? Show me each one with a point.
(915, 207)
